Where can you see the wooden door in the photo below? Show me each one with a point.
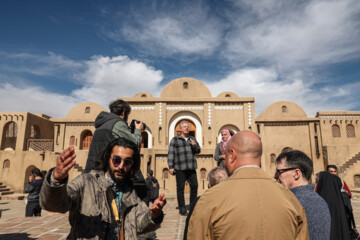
(87, 137)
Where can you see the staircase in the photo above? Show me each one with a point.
(350, 162)
(5, 192)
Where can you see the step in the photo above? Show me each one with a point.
(4, 189)
(2, 186)
(15, 196)
(6, 193)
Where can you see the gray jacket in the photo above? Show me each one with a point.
(90, 214)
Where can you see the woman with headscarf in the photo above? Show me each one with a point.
(328, 187)
(220, 147)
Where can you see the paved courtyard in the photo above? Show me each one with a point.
(14, 226)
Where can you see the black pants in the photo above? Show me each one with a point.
(32, 209)
(190, 177)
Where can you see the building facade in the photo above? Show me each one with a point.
(30, 140)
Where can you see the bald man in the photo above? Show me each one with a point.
(249, 204)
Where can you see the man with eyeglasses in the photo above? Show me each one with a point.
(294, 170)
(102, 203)
(182, 163)
(249, 204)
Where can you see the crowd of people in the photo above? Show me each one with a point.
(241, 202)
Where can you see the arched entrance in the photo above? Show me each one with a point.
(192, 130)
(188, 116)
(9, 136)
(232, 129)
(27, 174)
(86, 140)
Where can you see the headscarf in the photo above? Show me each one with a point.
(223, 143)
(329, 189)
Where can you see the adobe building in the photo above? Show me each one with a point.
(29, 140)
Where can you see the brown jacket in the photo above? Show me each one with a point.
(90, 215)
(249, 205)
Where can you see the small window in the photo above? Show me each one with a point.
(272, 158)
(350, 130)
(186, 85)
(35, 132)
(287, 149)
(284, 109)
(87, 110)
(143, 95)
(6, 163)
(203, 174)
(335, 130)
(227, 95)
(357, 181)
(165, 173)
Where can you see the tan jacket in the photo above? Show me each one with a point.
(249, 205)
(90, 214)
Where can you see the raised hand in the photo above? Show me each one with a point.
(64, 163)
(157, 206)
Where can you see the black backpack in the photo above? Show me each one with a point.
(154, 189)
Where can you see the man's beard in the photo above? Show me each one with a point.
(114, 178)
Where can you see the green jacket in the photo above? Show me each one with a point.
(90, 214)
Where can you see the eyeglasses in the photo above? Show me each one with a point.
(281, 171)
(116, 160)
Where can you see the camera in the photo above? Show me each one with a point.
(132, 125)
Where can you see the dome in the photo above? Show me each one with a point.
(186, 88)
(85, 111)
(143, 95)
(282, 110)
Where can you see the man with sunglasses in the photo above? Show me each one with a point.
(249, 204)
(102, 203)
(294, 170)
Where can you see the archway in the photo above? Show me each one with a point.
(232, 129)
(86, 138)
(192, 130)
(189, 116)
(27, 174)
(9, 136)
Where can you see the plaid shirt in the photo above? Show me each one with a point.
(181, 154)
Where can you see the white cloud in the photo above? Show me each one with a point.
(185, 30)
(35, 100)
(107, 78)
(267, 88)
(303, 34)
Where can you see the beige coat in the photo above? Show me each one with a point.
(249, 205)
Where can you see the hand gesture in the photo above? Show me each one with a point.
(64, 163)
(171, 171)
(192, 142)
(157, 206)
(139, 125)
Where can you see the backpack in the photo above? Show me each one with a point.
(154, 189)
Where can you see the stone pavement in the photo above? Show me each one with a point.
(14, 226)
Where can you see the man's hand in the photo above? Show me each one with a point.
(157, 206)
(31, 178)
(139, 125)
(64, 163)
(192, 142)
(171, 171)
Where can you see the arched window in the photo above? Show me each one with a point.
(87, 110)
(335, 130)
(72, 141)
(357, 181)
(86, 138)
(284, 109)
(165, 173)
(192, 130)
(6, 163)
(272, 158)
(203, 174)
(143, 95)
(185, 85)
(350, 130)
(35, 132)
(9, 136)
(144, 140)
(227, 95)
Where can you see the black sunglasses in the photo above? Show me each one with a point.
(116, 160)
(281, 171)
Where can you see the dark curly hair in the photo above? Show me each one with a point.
(102, 162)
(119, 106)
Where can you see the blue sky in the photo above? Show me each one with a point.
(55, 54)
